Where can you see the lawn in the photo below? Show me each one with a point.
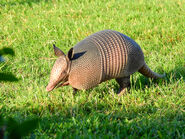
(152, 109)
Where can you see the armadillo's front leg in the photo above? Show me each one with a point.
(63, 84)
(124, 83)
(75, 91)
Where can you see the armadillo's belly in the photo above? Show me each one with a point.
(85, 69)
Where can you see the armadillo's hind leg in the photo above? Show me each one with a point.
(124, 84)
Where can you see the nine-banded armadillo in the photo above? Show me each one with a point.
(101, 56)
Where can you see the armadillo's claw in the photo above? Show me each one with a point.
(122, 92)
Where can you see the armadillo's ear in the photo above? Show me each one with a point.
(57, 51)
(70, 54)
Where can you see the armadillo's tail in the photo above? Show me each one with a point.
(146, 71)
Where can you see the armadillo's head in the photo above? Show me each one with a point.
(60, 71)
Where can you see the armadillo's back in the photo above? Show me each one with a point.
(107, 54)
(120, 55)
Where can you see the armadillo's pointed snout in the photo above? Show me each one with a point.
(49, 88)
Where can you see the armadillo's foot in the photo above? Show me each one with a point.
(122, 92)
(75, 91)
(124, 84)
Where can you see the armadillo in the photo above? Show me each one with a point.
(101, 56)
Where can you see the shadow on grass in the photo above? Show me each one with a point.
(87, 120)
(7, 51)
(9, 127)
(94, 122)
(174, 75)
(177, 73)
(7, 76)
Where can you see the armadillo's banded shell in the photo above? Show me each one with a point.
(106, 54)
(116, 50)
(113, 56)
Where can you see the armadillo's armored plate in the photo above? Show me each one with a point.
(104, 55)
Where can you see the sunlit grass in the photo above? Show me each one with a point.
(151, 109)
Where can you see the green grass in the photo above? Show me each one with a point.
(152, 109)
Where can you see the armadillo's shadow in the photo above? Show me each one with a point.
(172, 76)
